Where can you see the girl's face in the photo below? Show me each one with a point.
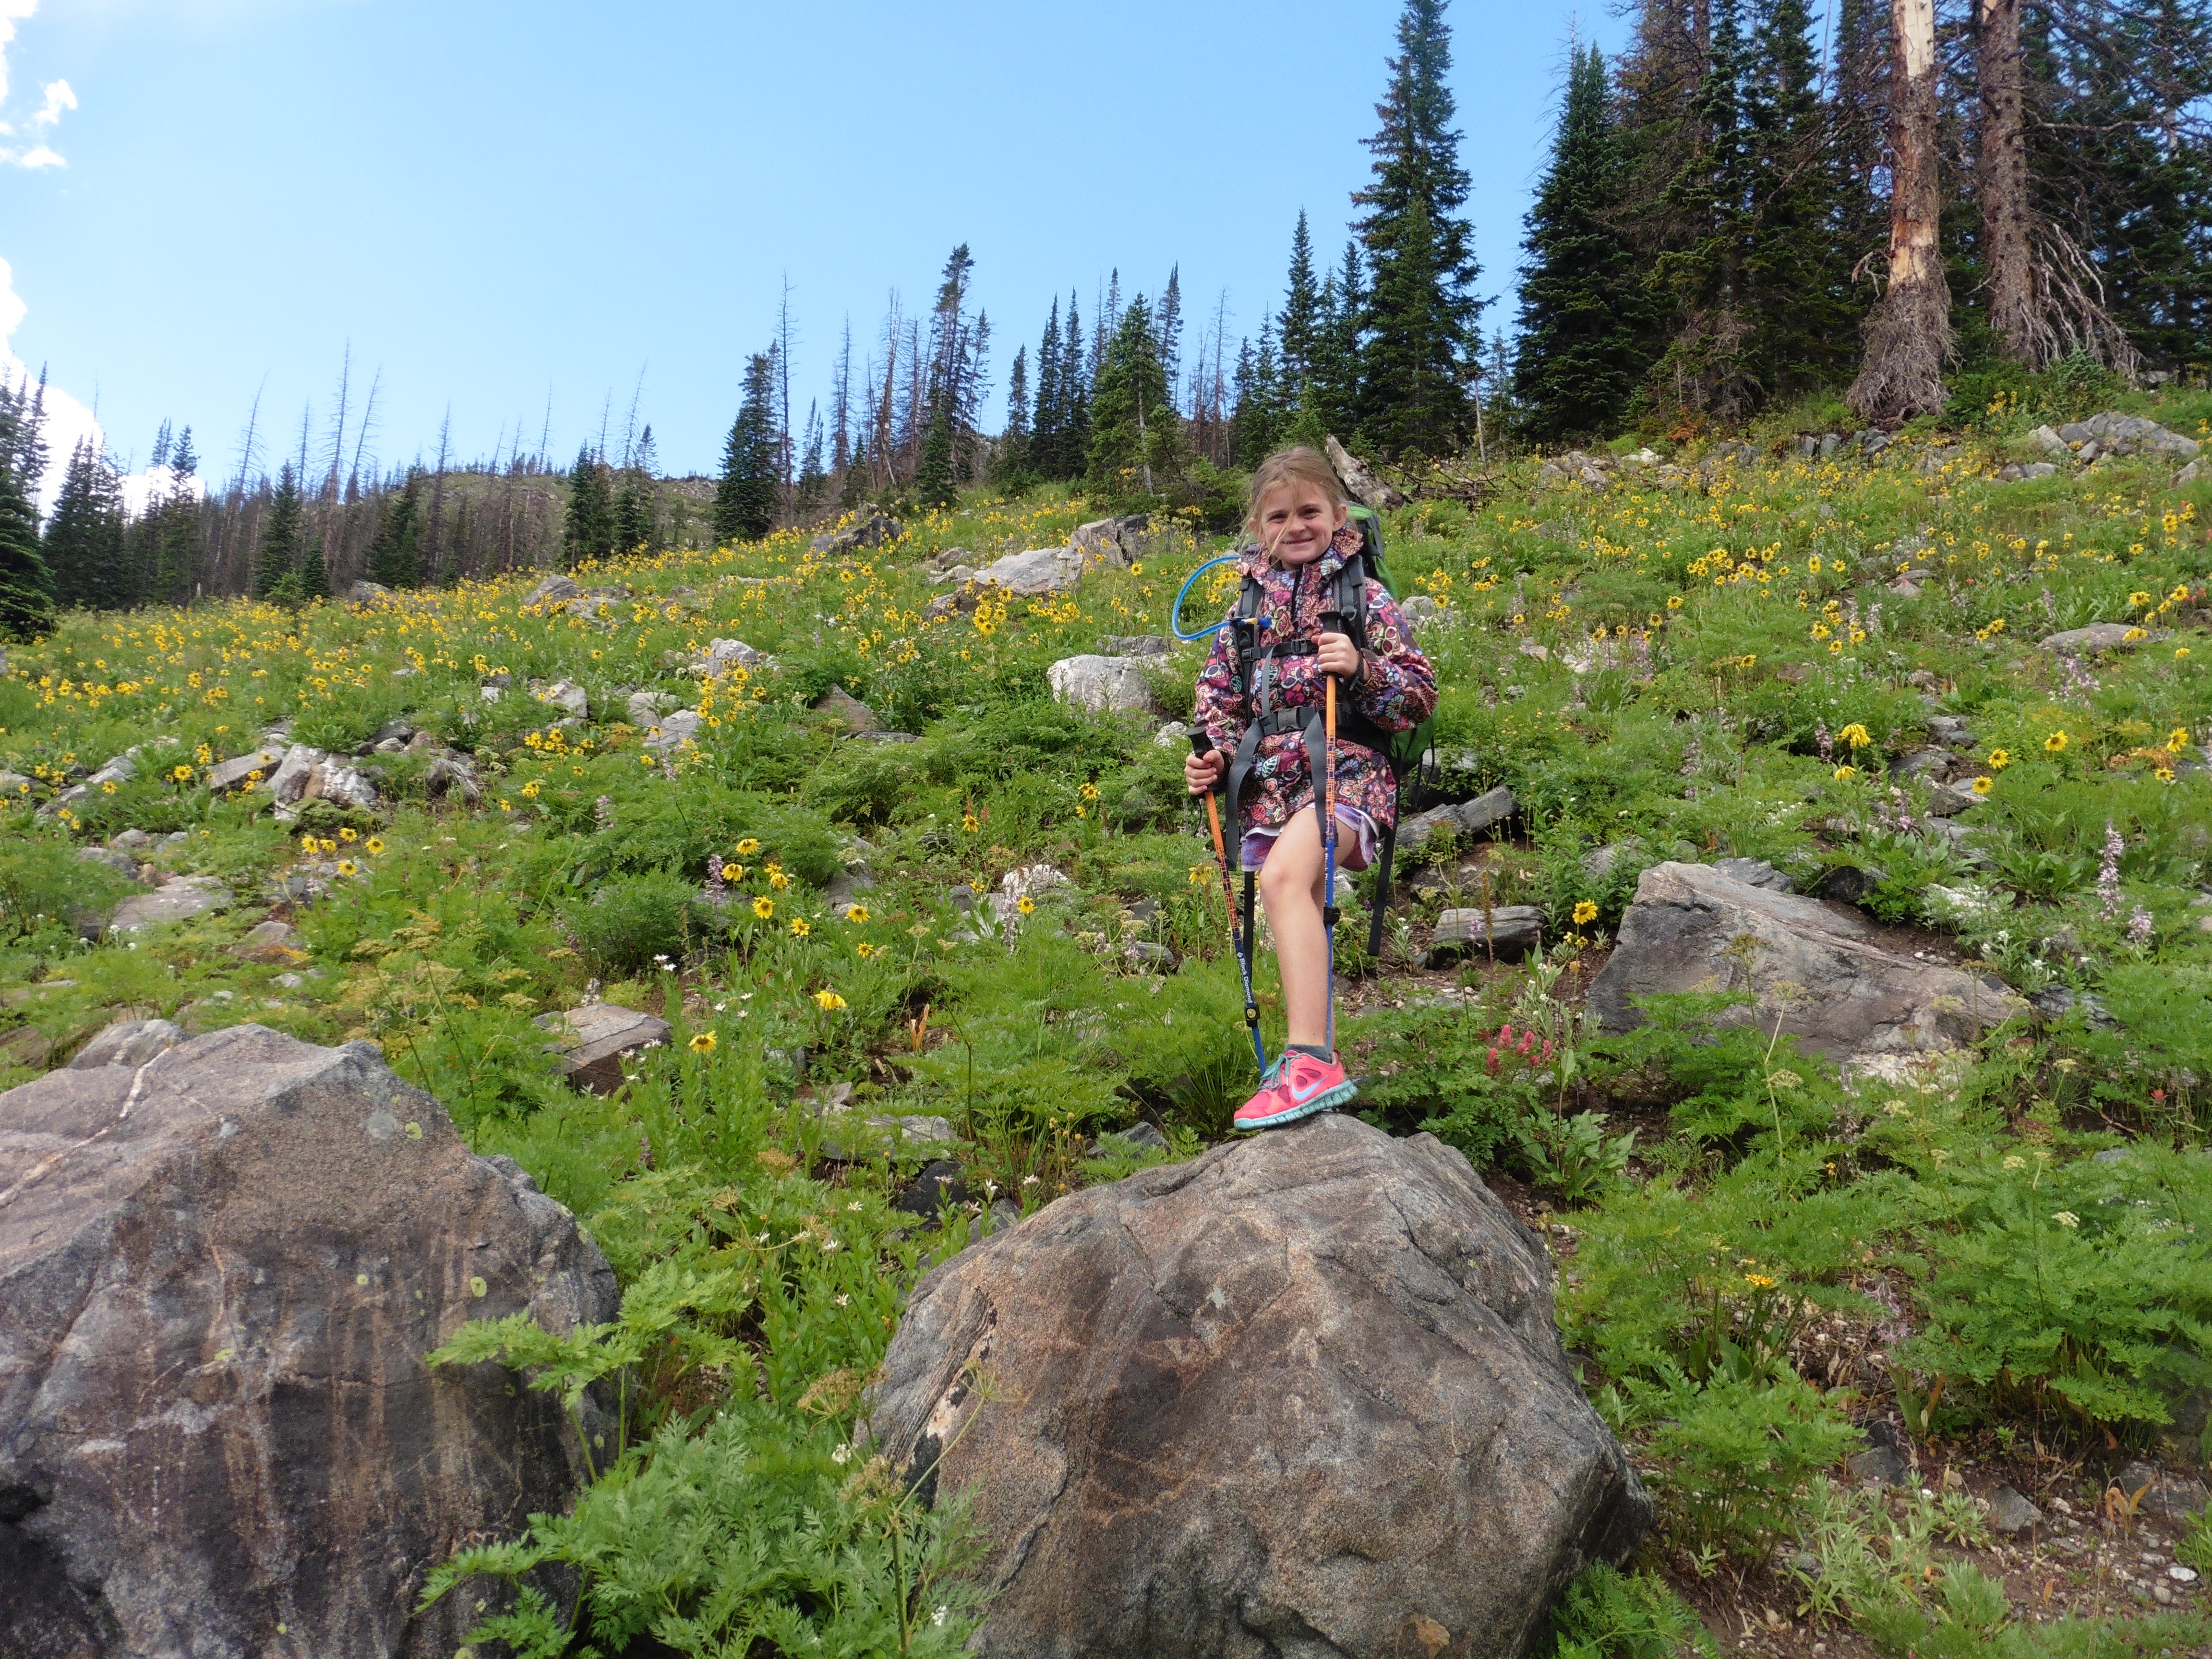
(1297, 522)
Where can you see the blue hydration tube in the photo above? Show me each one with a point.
(1175, 615)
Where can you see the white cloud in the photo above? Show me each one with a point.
(35, 151)
(69, 422)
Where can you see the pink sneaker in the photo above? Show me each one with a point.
(1298, 1085)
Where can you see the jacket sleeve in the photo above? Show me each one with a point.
(1397, 688)
(1222, 711)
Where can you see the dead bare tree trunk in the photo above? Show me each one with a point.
(2002, 184)
(1908, 334)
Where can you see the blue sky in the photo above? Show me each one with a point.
(494, 202)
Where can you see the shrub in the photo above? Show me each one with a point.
(629, 921)
(1738, 1455)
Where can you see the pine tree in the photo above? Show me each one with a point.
(1301, 313)
(813, 480)
(1581, 292)
(1796, 290)
(314, 577)
(633, 520)
(1075, 393)
(1327, 400)
(745, 496)
(395, 558)
(1135, 434)
(1263, 403)
(283, 535)
(1045, 438)
(1422, 318)
(27, 586)
(588, 528)
(933, 482)
(1168, 331)
(84, 536)
(1012, 467)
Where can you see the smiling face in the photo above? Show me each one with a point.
(1295, 521)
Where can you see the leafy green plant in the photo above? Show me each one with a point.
(1605, 1614)
(1738, 1453)
(1575, 1159)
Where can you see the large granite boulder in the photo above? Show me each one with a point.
(1105, 684)
(1040, 571)
(1117, 544)
(1301, 1396)
(220, 1271)
(1819, 969)
(181, 899)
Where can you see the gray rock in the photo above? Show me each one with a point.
(2166, 1495)
(553, 591)
(1420, 610)
(2115, 434)
(1878, 1466)
(1146, 957)
(1117, 543)
(130, 840)
(564, 695)
(1755, 873)
(233, 772)
(1173, 735)
(1598, 863)
(1516, 929)
(869, 528)
(366, 592)
(1136, 645)
(2096, 637)
(2009, 1512)
(180, 900)
(843, 706)
(122, 863)
(721, 656)
(1849, 883)
(591, 1043)
(131, 1043)
(1105, 684)
(448, 775)
(1920, 764)
(224, 1272)
(306, 775)
(940, 1184)
(2045, 438)
(1853, 999)
(645, 708)
(1466, 819)
(672, 730)
(2055, 1002)
(1040, 571)
(1306, 1383)
(1141, 1137)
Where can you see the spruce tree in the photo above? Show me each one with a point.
(634, 519)
(1581, 294)
(395, 556)
(1301, 313)
(1044, 425)
(588, 528)
(1136, 434)
(933, 482)
(813, 480)
(314, 576)
(1263, 403)
(1327, 397)
(84, 536)
(1074, 396)
(1168, 331)
(27, 586)
(745, 495)
(1424, 318)
(283, 535)
(1012, 466)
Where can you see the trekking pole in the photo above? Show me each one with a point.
(1329, 844)
(1201, 746)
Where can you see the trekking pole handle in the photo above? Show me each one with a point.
(1202, 745)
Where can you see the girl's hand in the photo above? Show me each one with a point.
(1201, 772)
(1337, 655)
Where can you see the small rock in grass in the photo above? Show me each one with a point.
(1849, 884)
(129, 1042)
(1514, 930)
(592, 1041)
(2096, 636)
(1105, 684)
(2009, 1512)
(2169, 1497)
(180, 900)
(939, 1184)
(122, 863)
(1141, 1137)
(840, 705)
(1878, 1466)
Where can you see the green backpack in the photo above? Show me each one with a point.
(1410, 753)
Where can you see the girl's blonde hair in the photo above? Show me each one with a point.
(1295, 465)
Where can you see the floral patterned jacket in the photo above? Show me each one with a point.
(1396, 688)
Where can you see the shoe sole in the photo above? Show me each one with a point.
(1326, 1100)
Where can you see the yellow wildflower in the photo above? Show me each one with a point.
(764, 908)
(703, 1044)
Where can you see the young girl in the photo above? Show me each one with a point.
(1303, 536)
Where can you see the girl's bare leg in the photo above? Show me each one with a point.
(1290, 886)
